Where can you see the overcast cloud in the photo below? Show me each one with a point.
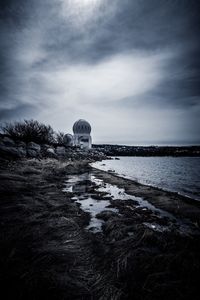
(131, 68)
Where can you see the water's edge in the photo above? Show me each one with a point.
(184, 197)
(176, 175)
(171, 202)
(101, 195)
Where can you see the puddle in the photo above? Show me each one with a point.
(80, 187)
(84, 187)
(94, 207)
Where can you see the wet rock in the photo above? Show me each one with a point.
(122, 203)
(97, 196)
(144, 211)
(51, 153)
(106, 215)
(85, 182)
(108, 198)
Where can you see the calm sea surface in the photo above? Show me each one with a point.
(178, 174)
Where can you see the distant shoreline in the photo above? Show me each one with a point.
(123, 150)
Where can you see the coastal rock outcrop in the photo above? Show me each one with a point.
(9, 148)
(16, 149)
(51, 153)
(33, 149)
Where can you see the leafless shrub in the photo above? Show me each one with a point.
(29, 131)
(60, 138)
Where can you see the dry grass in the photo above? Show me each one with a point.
(46, 253)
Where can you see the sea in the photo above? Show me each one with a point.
(176, 174)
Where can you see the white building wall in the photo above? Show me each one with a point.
(83, 140)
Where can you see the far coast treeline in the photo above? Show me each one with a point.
(123, 150)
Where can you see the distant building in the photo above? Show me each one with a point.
(81, 137)
(68, 139)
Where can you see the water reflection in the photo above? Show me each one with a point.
(78, 184)
(83, 188)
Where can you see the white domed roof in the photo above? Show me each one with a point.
(81, 126)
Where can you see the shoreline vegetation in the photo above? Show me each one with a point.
(147, 248)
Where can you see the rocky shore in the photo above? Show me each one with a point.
(142, 250)
(11, 149)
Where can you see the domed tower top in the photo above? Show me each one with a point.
(81, 127)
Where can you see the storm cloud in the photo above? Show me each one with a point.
(131, 68)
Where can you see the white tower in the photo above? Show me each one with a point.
(82, 137)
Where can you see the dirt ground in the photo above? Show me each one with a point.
(47, 253)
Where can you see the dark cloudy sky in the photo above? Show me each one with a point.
(131, 68)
